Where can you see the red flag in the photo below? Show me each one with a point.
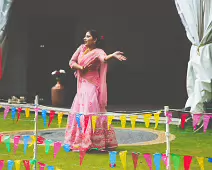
(1, 137)
(42, 165)
(86, 117)
(1, 64)
(41, 140)
(187, 162)
(51, 117)
(82, 155)
(135, 159)
(19, 114)
(26, 164)
(183, 119)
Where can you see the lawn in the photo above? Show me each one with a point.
(186, 143)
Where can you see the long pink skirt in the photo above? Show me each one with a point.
(82, 135)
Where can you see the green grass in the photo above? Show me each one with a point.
(186, 143)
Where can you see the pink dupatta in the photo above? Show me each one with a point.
(88, 59)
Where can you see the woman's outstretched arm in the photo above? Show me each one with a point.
(118, 55)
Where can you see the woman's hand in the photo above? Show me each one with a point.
(119, 55)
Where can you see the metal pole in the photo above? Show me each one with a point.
(168, 155)
(36, 132)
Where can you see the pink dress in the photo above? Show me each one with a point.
(91, 99)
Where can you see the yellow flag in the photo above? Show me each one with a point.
(17, 164)
(0, 106)
(94, 118)
(133, 121)
(123, 121)
(27, 112)
(33, 140)
(58, 168)
(157, 119)
(147, 118)
(109, 121)
(201, 162)
(60, 117)
(123, 157)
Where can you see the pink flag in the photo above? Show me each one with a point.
(82, 155)
(183, 120)
(169, 115)
(26, 164)
(16, 142)
(148, 159)
(196, 119)
(57, 146)
(42, 165)
(165, 160)
(6, 111)
(51, 117)
(1, 164)
(206, 121)
(187, 162)
(135, 159)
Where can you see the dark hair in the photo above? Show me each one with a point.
(95, 35)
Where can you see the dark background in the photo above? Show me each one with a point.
(149, 32)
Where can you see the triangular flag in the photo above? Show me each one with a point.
(123, 157)
(196, 119)
(201, 162)
(169, 115)
(19, 114)
(33, 140)
(60, 118)
(26, 141)
(183, 120)
(27, 112)
(147, 118)
(13, 113)
(44, 112)
(148, 159)
(94, 118)
(123, 121)
(86, 120)
(58, 168)
(40, 140)
(1, 138)
(135, 159)
(157, 159)
(210, 160)
(82, 155)
(7, 142)
(48, 145)
(10, 164)
(42, 165)
(187, 162)
(206, 122)
(57, 146)
(157, 119)
(6, 111)
(165, 160)
(16, 143)
(17, 164)
(67, 147)
(176, 160)
(133, 121)
(50, 167)
(1, 164)
(51, 117)
(26, 164)
(78, 117)
(109, 121)
(112, 155)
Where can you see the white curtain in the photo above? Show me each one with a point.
(196, 16)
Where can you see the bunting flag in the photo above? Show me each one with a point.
(7, 142)
(148, 159)
(10, 164)
(13, 113)
(206, 122)
(78, 117)
(40, 140)
(210, 160)
(157, 159)
(133, 121)
(1, 164)
(135, 157)
(94, 119)
(6, 111)
(123, 121)
(176, 161)
(187, 162)
(201, 162)
(123, 157)
(82, 155)
(33, 162)
(67, 147)
(42, 165)
(48, 145)
(183, 120)
(50, 167)
(112, 155)
(27, 112)
(59, 118)
(17, 164)
(57, 146)
(16, 143)
(86, 120)
(26, 141)
(196, 119)
(165, 160)
(44, 112)
(51, 117)
(109, 119)
(33, 140)
(1, 138)
(147, 118)
(19, 114)
(26, 164)
(157, 119)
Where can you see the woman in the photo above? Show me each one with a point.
(90, 64)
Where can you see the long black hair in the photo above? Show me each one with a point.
(100, 39)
